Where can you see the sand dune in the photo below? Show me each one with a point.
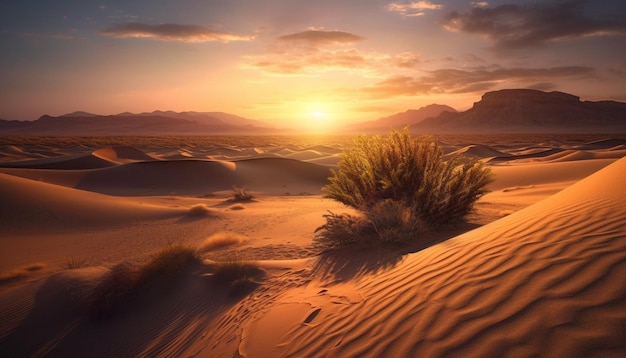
(545, 281)
(29, 205)
(481, 151)
(122, 154)
(539, 274)
(67, 162)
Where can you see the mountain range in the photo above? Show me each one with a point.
(152, 123)
(503, 111)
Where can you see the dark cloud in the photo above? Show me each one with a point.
(521, 26)
(321, 37)
(172, 32)
(464, 81)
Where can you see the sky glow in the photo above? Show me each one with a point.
(297, 63)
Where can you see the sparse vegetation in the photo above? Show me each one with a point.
(170, 261)
(241, 194)
(403, 186)
(74, 263)
(239, 275)
(115, 289)
(118, 286)
(220, 239)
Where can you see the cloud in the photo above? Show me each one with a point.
(415, 8)
(316, 51)
(172, 32)
(520, 26)
(321, 37)
(468, 81)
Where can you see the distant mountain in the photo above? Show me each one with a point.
(401, 120)
(80, 114)
(530, 111)
(154, 123)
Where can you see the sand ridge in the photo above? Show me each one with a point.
(536, 269)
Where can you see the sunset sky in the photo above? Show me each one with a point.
(298, 62)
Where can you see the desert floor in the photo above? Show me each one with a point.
(537, 269)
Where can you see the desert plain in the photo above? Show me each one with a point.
(538, 268)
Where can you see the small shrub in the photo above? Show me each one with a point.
(74, 263)
(121, 283)
(114, 290)
(235, 272)
(170, 261)
(342, 229)
(394, 222)
(241, 194)
(220, 239)
(403, 186)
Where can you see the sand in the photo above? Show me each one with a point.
(537, 269)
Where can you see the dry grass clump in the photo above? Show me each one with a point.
(240, 275)
(220, 239)
(342, 230)
(170, 261)
(74, 263)
(114, 290)
(240, 194)
(122, 282)
(403, 186)
(200, 210)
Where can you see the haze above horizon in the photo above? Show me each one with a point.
(298, 63)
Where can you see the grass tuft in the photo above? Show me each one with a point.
(239, 275)
(220, 239)
(74, 263)
(117, 288)
(240, 195)
(170, 261)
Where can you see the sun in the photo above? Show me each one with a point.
(319, 121)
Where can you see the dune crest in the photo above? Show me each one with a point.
(537, 282)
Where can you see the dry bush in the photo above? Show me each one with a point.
(342, 229)
(239, 275)
(170, 261)
(74, 263)
(394, 222)
(403, 185)
(122, 282)
(220, 239)
(114, 290)
(241, 194)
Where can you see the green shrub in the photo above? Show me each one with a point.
(403, 185)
